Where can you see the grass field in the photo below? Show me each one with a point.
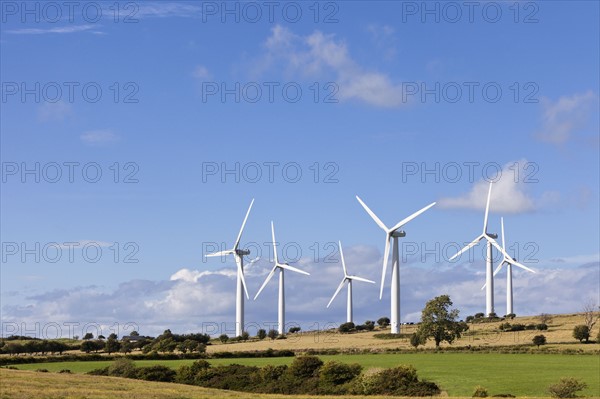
(456, 373)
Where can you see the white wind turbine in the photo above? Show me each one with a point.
(347, 280)
(509, 262)
(394, 233)
(281, 267)
(491, 240)
(238, 254)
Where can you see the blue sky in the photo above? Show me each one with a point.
(507, 91)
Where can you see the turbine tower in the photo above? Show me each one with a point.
(281, 267)
(238, 254)
(491, 241)
(394, 233)
(347, 280)
(509, 262)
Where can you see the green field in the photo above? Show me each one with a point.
(456, 373)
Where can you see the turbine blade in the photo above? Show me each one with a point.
(343, 262)
(274, 244)
(266, 282)
(360, 279)
(237, 241)
(220, 253)
(292, 268)
(386, 255)
(373, 215)
(471, 245)
(502, 227)
(238, 261)
(339, 288)
(487, 209)
(411, 217)
(522, 266)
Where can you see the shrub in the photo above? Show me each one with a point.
(480, 392)
(369, 325)
(103, 371)
(478, 315)
(261, 334)
(416, 340)
(187, 374)
(539, 340)
(272, 334)
(469, 319)
(401, 381)
(65, 371)
(383, 322)
(581, 332)
(156, 373)
(245, 336)
(505, 327)
(346, 327)
(305, 366)
(123, 368)
(42, 370)
(336, 373)
(542, 326)
(294, 330)
(223, 338)
(566, 388)
(510, 316)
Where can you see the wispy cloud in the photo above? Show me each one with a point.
(58, 30)
(563, 118)
(319, 54)
(167, 9)
(99, 137)
(201, 72)
(57, 111)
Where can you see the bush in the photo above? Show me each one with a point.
(65, 371)
(416, 340)
(480, 392)
(369, 325)
(346, 327)
(510, 316)
(581, 332)
(223, 338)
(336, 373)
(187, 374)
(305, 366)
(261, 334)
(272, 334)
(294, 330)
(156, 373)
(505, 327)
(542, 326)
(539, 340)
(479, 315)
(400, 381)
(566, 388)
(469, 319)
(383, 322)
(245, 336)
(123, 368)
(42, 370)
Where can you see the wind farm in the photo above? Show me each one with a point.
(194, 194)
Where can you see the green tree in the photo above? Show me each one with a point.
(439, 322)
(87, 346)
(88, 336)
(539, 340)
(305, 366)
(245, 336)
(134, 334)
(126, 346)
(261, 334)
(112, 345)
(223, 338)
(294, 330)
(272, 334)
(581, 332)
(383, 322)
(346, 327)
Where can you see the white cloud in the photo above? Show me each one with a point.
(166, 10)
(57, 111)
(320, 54)
(99, 137)
(201, 72)
(61, 29)
(562, 118)
(509, 194)
(192, 299)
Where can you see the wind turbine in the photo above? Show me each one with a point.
(509, 262)
(347, 280)
(394, 233)
(491, 240)
(281, 267)
(238, 254)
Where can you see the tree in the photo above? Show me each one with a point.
(294, 330)
(88, 336)
(223, 338)
(346, 327)
(416, 340)
(370, 325)
(126, 346)
(87, 346)
(591, 314)
(383, 322)
(112, 345)
(245, 336)
(581, 332)
(113, 336)
(261, 334)
(272, 334)
(539, 340)
(566, 388)
(134, 334)
(305, 366)
(545, 318)
(439, 322)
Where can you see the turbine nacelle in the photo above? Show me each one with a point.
(398, 233)
(242, 252)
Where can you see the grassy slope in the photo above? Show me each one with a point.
(456, 373)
